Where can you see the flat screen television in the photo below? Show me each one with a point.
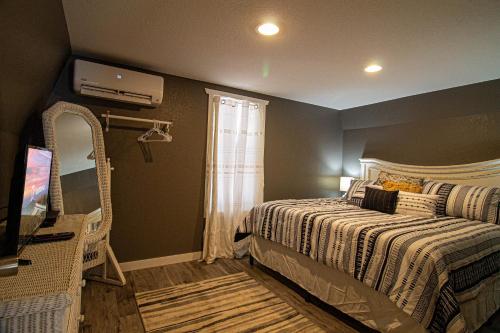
(29, 198)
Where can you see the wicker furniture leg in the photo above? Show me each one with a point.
(110, 265)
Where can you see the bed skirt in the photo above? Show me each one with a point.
(355, 299)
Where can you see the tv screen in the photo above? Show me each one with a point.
(35, 194)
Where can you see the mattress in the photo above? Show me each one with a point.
(427, 268)
(354, 298)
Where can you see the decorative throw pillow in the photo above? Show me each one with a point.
(471, 202)
(474, 203)
(380, 200)
(390, 185)
(356, 191)
(441, 189)
(393, 177)
(378, 187)
(417, 204)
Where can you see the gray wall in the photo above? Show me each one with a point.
(452, 126)
(34, 45)
(158, 205)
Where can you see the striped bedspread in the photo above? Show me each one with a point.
(426, 266)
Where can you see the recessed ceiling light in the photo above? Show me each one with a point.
(373, 68)
(268, 29)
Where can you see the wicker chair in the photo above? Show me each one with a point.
(99, 259)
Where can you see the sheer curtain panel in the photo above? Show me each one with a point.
(234, 180)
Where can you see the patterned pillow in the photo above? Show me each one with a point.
(470, 202)
(356, 191)
(386, 176)
(417, 204)
(380, 200)
(389, 185)
(441, 189)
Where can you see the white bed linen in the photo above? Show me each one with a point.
(352, 297)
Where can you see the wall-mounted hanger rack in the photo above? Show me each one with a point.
(109, 116)
(158, 129)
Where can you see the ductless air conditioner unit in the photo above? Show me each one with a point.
(114, 83)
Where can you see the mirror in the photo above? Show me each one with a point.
(80, 183)
(77, 167)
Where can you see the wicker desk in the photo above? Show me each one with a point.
(45, 296)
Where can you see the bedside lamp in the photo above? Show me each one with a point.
(345, 182)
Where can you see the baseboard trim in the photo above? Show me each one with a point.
(159, 261)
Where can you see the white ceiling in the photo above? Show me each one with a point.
(319, 55)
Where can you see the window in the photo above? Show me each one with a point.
(234, 181)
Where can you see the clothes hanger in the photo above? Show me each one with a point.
(164, 136)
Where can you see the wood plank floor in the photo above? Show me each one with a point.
(113, 309)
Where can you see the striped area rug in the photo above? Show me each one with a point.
(231, 303)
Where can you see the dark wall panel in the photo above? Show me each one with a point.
(453, 126)
(158, 205)
(34, 45)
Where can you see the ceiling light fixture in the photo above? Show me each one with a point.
(373, 68)
(268, 29)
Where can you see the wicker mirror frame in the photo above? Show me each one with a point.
(49, 118)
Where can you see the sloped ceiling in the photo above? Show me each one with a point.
(319, 55)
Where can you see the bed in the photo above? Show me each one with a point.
(393, 273)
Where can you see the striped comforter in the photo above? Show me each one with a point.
(426, 266)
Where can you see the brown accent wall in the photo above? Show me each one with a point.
(452, 126)
(34, 45)
(158, 205)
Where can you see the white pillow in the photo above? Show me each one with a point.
(416, 204)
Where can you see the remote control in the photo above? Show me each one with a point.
(52, 237)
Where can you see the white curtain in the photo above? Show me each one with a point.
(234, 180)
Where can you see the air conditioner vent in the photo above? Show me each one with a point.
(102, 81)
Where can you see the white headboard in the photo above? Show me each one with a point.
(482, 173)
